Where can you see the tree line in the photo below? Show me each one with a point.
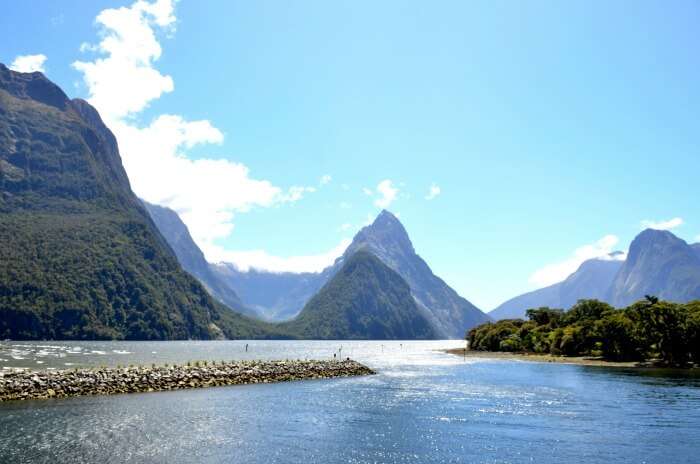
(646, 330)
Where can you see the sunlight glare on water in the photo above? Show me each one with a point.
(423, 406)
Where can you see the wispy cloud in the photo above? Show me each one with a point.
(662, 225)
(262, 260)
(122, 81)
(29, 63)
(559, 271)
(325, 179)
(386, 192)
(433, 192)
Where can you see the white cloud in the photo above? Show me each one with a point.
(121, 82)
(662, 225)
(296, 193)
(325, 179)
(387, 194)
(433, 192)
(556, 272)
(262, 260)
(367, 191)
(697, 239)
(28, 63)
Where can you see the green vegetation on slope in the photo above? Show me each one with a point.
(79, 255)
(364, 300)
(648, 329)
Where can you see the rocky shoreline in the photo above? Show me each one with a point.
(549, 358)
(114, 380)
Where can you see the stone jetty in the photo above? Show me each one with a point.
(113, 380)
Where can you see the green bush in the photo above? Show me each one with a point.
(648, 329)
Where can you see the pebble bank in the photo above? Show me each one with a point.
(108, 381)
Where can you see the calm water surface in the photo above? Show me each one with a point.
(423, 407)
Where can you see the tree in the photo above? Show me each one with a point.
(663, 325)
(617, 335)
(544, 316)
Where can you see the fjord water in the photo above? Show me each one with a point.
(423, 406)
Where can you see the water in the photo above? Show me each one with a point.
(424, 406)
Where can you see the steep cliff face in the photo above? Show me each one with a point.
(658, 264)
(81, 256)
(386, 238)
(192, 259)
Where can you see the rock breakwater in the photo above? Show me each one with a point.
(109, 381)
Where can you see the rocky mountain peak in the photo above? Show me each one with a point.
(386, 235)
(32, 86)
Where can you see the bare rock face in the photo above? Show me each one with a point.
(658, 264)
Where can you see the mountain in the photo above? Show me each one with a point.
(266, 295)
(365, 299)
(281, 296)
(591, 280)
(191, 257)
(274, 296)
(386, 238)
(81, 257)
(361, 298)
(660, 264)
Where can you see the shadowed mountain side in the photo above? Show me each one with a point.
(365, 299)
(191, 257)
(83, 260)
(387, 239)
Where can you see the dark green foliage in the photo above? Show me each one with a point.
(648, 329)
(79, 255)
(544, 316)
(618, 334)
(364, 300)
(191, 257)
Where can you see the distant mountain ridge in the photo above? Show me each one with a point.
(591, 280)
(282, 296)
(359, 297)
(191, 257)
(274, 296)
(696, 247)
(658, 263)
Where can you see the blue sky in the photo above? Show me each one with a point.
(547, 126)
